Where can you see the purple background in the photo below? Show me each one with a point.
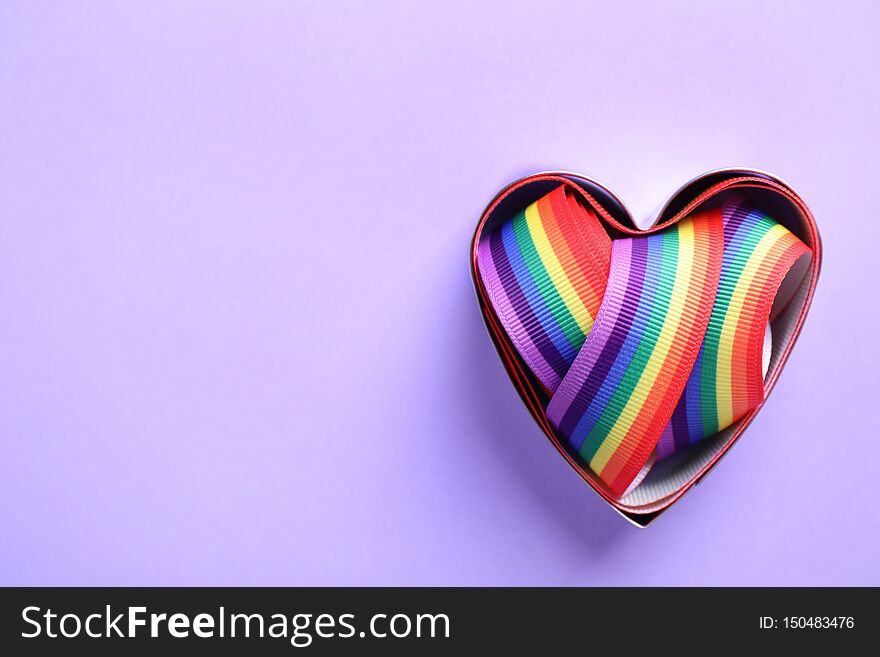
(239, 342)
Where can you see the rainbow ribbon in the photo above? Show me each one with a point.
(548, 267)
(646, 344)
(726, 381)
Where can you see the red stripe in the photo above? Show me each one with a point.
(751, 333)
(581, 280)
(586, 240)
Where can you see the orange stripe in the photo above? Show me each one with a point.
(746, 380)
(747, 385)
(564, 220)
(589, 254)
(571, 269)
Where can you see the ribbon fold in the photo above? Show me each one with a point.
(647, 344)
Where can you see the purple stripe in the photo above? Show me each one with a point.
(593, 377)
(596, 338)
(524, 314)
(642, 296)
(666, 444)
(736, 217)
(503, 307)
(679, 424)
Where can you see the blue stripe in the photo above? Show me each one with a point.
(533, 295)
(694, 403)
(627, 351)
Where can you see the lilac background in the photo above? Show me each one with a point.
(239, 343)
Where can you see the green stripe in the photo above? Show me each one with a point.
(541, 278)
(734, 266)
(618, 401)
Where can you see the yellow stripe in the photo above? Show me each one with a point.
(683, 274)
(555, 270)
(724, 376)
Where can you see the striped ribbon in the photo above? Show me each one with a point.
(548, 267)
(647, 344)
(727, 379)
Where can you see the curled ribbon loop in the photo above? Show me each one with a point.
(647, 344)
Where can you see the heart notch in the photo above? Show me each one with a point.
(660, 484)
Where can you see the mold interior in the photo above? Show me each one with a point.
(671, 475)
